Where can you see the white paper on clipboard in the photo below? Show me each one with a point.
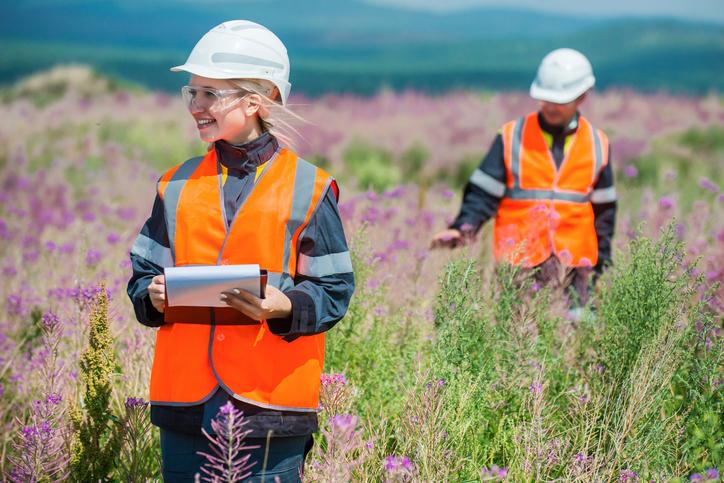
(201, 285)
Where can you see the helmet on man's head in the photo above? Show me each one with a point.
(563, 75)
(240, 49)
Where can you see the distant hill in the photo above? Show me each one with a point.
(350, 46)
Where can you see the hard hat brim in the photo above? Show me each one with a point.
(557, 97)
(204, 71)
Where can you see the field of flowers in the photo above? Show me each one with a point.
(446, 368)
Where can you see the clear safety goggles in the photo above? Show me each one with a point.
(212, 99)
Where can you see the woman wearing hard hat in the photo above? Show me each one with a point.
(248, 200)
(548, 182)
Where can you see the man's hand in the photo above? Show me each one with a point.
(449, 238)
(157, 292)
(276, 305)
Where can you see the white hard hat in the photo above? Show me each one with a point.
(563, 75)
(240, 49)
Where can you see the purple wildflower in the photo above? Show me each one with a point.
(630, 171)
(329, 379)
(10, 271)
(536, 387)
(628, 475)
(696, 477)
(398, 465)
(113, 238)
(135, 402)
(228, 458)
(92, 257)
(493, 473)
(51, 321)
(16, 305)
(712, 474)
(708, 185)
(66, 248)
(666, 203)
(53, 398)
(31, 256)
(343, 423)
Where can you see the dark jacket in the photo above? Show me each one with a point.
(480, 205)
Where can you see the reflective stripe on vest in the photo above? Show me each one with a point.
(221, 346)
(546, 210)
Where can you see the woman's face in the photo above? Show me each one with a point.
(230, 117)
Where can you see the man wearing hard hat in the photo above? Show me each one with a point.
(548, 182)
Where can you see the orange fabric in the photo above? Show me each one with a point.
(528, 231)
(247, 359)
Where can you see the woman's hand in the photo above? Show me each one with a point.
(157, 292)
(276, 305)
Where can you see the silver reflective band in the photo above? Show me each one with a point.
(598, 151)
(152, 251)
(301, 199)
(606, 195)
(172, 195)
(232, 58)
(282, 281)
(515, 152)
(325, 265)
(521, 194)
(487, 183)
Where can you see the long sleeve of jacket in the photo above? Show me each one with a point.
(482, 193)
(324, 282)
(603, 200)
(150, 253)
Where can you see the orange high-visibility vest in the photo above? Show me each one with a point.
(249, 361)
(547, 210)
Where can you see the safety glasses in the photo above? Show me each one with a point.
(211, 99)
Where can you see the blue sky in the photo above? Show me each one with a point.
(706, 10)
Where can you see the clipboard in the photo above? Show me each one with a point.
(201, 285)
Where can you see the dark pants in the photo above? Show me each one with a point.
(576, 282)
(284, 457)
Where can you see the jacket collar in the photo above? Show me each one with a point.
(570, 128)
(247, 156)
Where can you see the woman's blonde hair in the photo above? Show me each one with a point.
(274, 118)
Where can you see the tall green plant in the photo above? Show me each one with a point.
(640, 334)
(98, 441)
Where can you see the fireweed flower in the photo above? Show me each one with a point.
(343, 423)
(536, 387)
(398, 466)
(92, 257)
(666, 203)
(113, 238)
(708, 185)
(133, 402)
(493, 473)
(66, 248)
(10, 271)
(50, 321)
(628, 475)
(630, 171)
(228, 458)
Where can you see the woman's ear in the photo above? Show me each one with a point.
(253, 104)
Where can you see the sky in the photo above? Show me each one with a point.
(700, 10)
